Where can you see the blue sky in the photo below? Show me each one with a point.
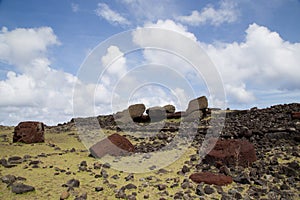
(255, 46)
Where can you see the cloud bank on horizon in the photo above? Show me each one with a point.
(257, 65)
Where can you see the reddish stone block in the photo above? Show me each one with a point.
(29, 132)
(211, 178)
(115, 145)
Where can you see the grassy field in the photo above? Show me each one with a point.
(57, 148)
(62, 153)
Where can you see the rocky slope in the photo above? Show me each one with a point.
(61, 168)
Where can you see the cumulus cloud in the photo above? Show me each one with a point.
(189, 78)
(96, 81)
(110, 15)
(262, 62)
(36, 91)
(20, 46)
(114, 61)
(226, 13)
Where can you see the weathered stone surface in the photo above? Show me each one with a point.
(73, 183)
(175, 115)
(64, 195)
(8, 179)
(20, 188)
(231, 152)
(156, 113)
(6, 164)
(169, 108)
(296, 115)
(211, 178)
(136, 110)
(199, 103)
(194, 116)
(123, 117)
(297, 125)
(29, 132)
(133, 113)
(114, 144)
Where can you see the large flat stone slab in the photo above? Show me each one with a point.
(231, 152)
(115, 145)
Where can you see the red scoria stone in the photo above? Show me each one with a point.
(231, 152)
(211, 178)
(29, 132)
(296, 115)
(115, 145)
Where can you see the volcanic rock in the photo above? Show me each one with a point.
(208, 190)
(73, 183)
(15, 160)
(211, 178)
(29, 132)
(136, 110)
(20, 188)
(169, 108)
(8, 179)
(199, 103)
(130, 186)
(123, 117)
(115, 145)
(64, 195)
(296, 115)
(156, 113)
(175, 115)
(231, 152)
(99, 189)
(161, 187)
(194, 116)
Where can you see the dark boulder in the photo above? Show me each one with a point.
(8, 179)
(156, 114)
(29, 132)
(199, 103)
(72, 183)
(20, 188)
(169, 108)
(136, 110)
(133, 113)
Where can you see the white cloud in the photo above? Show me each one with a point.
(74, 7)
(264, 61)
(97, 79)
(239, 93)
(36, 92)
(177, 67)
(110, 15)
(20, 46)
(226, 13)
(170, 25)
(144, 10)
(114, 61)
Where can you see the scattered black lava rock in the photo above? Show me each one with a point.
(20, 188)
